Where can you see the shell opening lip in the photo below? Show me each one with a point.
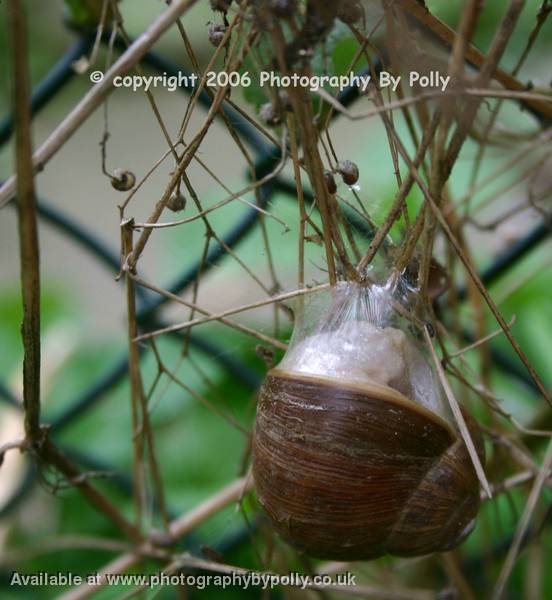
(385, 392)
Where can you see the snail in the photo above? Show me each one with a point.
(220, 5)
(123, 180)
(283, 8)
(350, 11)
(270, 115)
(355, 452)
(348, 171)
(330, 182)
(215, 33)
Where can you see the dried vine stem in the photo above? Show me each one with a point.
(437, 202)
(444, 157)
(302, 110)
(488, 68)
(187, 156)
(490, 303)
(367, 592)
(230, 311)
(178, 528)
(98, 93)
(137, 391)
(400, 199)
(447, 36)
(300, 198)
(455, 407)
(195, 307)
(36, 437)
(471, 270)
(142, 430)
(424, 97)
(513, 552)
(27, 221)
(52, 455)
(541, 18)
(437, 180)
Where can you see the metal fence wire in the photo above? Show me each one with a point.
(148, 313)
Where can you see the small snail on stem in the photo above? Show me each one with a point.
(355, 452)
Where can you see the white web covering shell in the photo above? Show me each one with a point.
(349, 333)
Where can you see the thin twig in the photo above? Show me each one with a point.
(178, 528)
(237, 326)
(476, 92)
(185, 160)
(235, 196)
(302, 108)
(544, 473)
(459, 417)
(51, 454)
(98, 92)
(27, 222)
(139, 485)
(491, 304)
(474, 276)
(231, 311)
(447, 36)
(481, 341)
(395, 210)
(485, 75)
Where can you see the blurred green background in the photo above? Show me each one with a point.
(84, 313)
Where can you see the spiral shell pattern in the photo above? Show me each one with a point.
(354, 471)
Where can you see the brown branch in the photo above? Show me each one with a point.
(178, 528)
(469, 267)
(27, 222)
(400, 199)
(231, 311)
(302, 110)
(189, 153)
(195, 307)
(488, 68)
(136, 389)
(51, 454)
(429, 95)
(458, 416)
(492, 306)
(141, 428)
(523, 525)
(98, 92)
(447, 36)
(430, 201)
(37, 436)
(437, 178)
(542, 15)
(366, 592)
(300, 198)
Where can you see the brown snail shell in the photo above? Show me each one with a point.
(350, 470)
(348, 171)
(330, 182)
(220, 5)
(215, 33)
(123, 180)
(350, 11)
